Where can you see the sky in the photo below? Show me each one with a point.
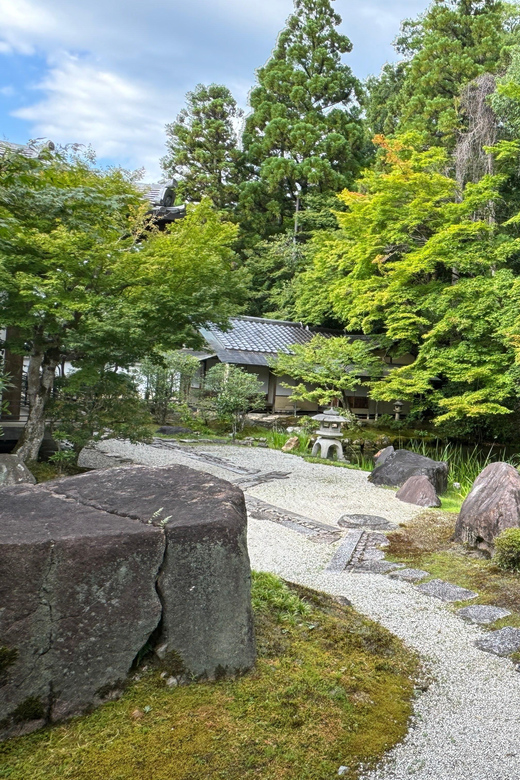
(112, 73)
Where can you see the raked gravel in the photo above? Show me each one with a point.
(467, 724)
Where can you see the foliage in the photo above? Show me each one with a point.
(92, 404)
(304, 132)
(335, 366)
(330, 687)
(203, 147)
(445, 48)
(389, 272)
(383, 110)
(86, 277)
(272, 265)
(235, 392)
(507, 550)
(271, 596)
(166, 378)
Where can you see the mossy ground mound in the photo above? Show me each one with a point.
(330, 688)
(426, 543)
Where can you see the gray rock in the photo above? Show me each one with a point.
(402, 464)
(92, 458)
(77, 587)
(365, 521)
(205, 580)
(419, 491)
(91, 566)
(492, 505)
(502, 642)
(383, 455)
(378, 567)
(483, 614)
(171, 430)
(409, 575)
(345, 551)
(13, 471)
(446, 591)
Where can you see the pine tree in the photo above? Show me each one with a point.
(304, 133)
(453, 43)
(203, 147)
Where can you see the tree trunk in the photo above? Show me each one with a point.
(40, 382)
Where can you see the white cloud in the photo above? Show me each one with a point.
(24, 22)
(117, 70)
(120, 118)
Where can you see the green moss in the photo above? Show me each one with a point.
(426, 542)
(30, 709)
(8, 656)
(329, 688)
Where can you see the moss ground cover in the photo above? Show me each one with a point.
(426, 543)
(330, 688)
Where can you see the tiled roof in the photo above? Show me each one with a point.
(253, 340)
(27, 150)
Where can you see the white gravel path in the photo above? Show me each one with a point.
(467, 725)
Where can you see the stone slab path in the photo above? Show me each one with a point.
(467, 724)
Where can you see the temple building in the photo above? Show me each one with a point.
(253, 343)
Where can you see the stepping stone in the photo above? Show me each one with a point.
(445, 591)
(409, 575)
(502, 642)
(482, 613)
(377, 567)
(345, 551)
(365, 521)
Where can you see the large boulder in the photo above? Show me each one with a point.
(94, 567)
(418, 491)
(400, 465)
(492, 505)
(13, 471)
(383, 455)
(205, 578)
(77, 589)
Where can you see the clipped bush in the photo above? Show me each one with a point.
(507, 550)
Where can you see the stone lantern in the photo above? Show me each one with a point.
(329, 434)
(398, 407)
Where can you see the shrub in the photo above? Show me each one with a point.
(507, 550)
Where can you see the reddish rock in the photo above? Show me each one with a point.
(492, 506)
(418, 491)
(291, 444)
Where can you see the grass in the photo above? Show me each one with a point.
(277, 439)
(426, 543)
(43, 471)
(330, 688)
(465, 464)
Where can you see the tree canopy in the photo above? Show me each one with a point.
(328, 369)
(202, 147)
(304, 133)
(87, 277)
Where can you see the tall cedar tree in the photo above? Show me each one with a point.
(452, 43)
(203, 148)
(304, 134)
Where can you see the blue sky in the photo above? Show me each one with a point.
(112, 73)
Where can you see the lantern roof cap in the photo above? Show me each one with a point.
(330, 415)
